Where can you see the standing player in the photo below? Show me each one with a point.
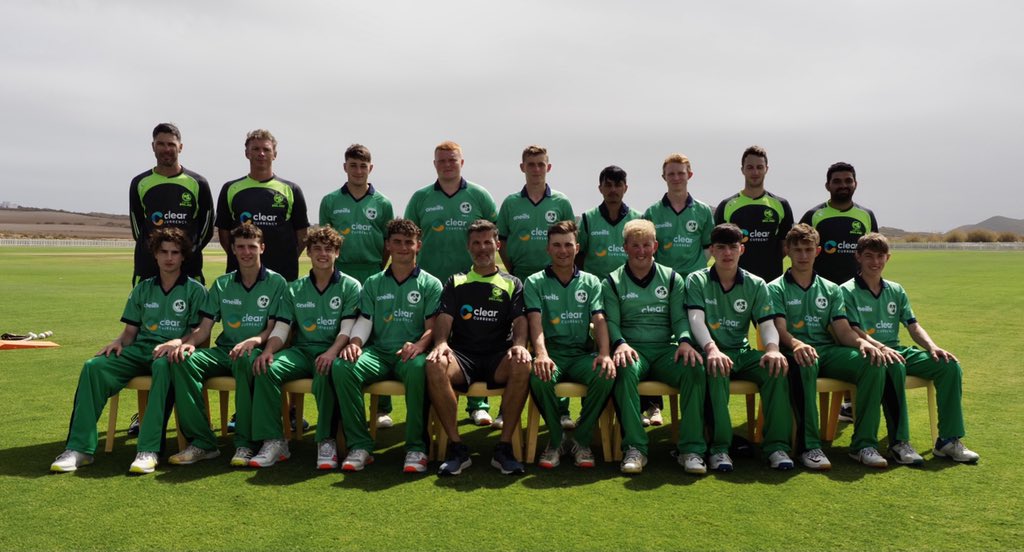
(523, 221)
(877, 307)
(763, 217)
(244, 301)
(809, 311)
(561, 302)
(397, 308)
(444, 211)
(360, 213)
(173, 196)
(601, 248)
(683, 229)
(480, 335)
(322, 309)
(722, 302)
(840, 222)
(650, 336)
(275, 205)
(159, 309)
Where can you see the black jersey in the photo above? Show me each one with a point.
(482, 310)
(277, 207)
(839, 231)
(764, 221)
(182, 201)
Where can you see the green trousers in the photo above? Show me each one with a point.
(103, 377)
(579, 369)
(291, 364)
(947, 377)
(841, 363)
(378, 365)
(188, 395)
(656, 363)
(362, 271)
(778, 423)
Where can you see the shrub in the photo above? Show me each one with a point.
(1007, 237)
(981, 235)
(955, 236)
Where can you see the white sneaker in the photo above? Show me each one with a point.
(870, 457)
(815, 459)
(498, 422)
(633, 461)
(327, 455)
(356, 460)
(69, 461)
(145, 462)
(193, 454)
(779, 460)
(653, 415)
(567, 422)
(955, 450)
(692, 463)
(720, 462)
(384, 420)
(415, 462)
(480, 418)
(550, 458)
(242, 457)
(582, 457)
(903, 453)
(272, 452)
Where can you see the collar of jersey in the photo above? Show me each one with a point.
(647, 279)
(259, 277)
(550, 273)
(547, 192)
(369, 191)
(462, 186)
(335, 278)
(603, 209)
(665, 201)
(412, 275)
(182, 279)
(789, 278)
(713, 274)
(863, 284)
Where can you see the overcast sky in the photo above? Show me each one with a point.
(924, 98)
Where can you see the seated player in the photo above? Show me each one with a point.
(243, 300)
(876, 308)
(809, 311)
(159, 309)
(480, 335)
(322, 308)
(561, 302)
(722, 302)
(397, 308)
(650, 336)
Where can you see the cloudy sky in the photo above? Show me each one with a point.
(924, 98)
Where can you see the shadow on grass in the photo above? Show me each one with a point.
(34, 460)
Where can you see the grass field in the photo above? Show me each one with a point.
(971, 302)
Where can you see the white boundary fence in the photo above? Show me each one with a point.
(962, 246)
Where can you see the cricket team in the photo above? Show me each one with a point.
(622, 297)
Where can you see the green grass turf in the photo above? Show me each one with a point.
(971, 302)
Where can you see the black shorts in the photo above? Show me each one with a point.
(479, 367)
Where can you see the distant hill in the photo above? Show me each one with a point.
(30, 222)
(996, 224)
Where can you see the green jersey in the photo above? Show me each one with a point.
(808, 312)
(444, 220)
(601, 239)
(764, 222)
(879, 316)
(361, 222)
(565, 309)
(161, 316)
(318, 315)
(839, 231)
(682, 236)
(648, 310)
(244, 311)
(523, 228)
(399, 309)
(728, 314)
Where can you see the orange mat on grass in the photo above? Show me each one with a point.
(5, 344)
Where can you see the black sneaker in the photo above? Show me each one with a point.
(133, 426)
(456, 461)
(505, 461)
(231, 424)
(846, 412)
(305, 424)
